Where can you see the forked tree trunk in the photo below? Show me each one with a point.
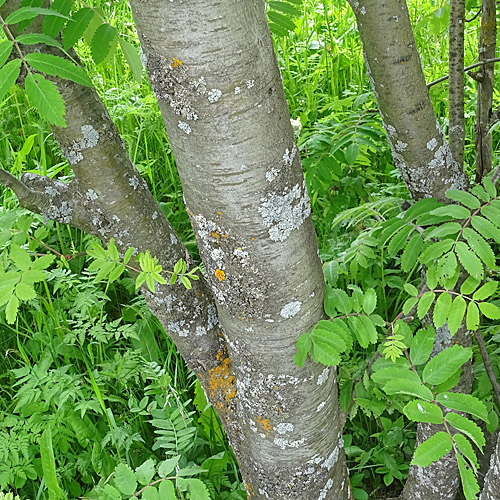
(214, 73)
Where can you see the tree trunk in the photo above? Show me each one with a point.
(456, 99)
(215, 76)
(491, 489)
(485, 76)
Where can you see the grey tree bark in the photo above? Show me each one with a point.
(485, 78)
(424, 158)
(491, 489)
(213, 70)
(456, 92)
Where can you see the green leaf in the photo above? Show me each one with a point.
(421, 346)
(425, 303)
(464, 403)
(489, 310)
(479, 191)
(469, 285)
(486, 228)
(447, 266)
(465, 446)
(479, 245)
(8, 76)
(469, 482)
(490, 187)
(338, 330)
(35, 38)
(124, 479)
(166, 490)
(195, 487)
(456, 314)
(409, 305)
(324, 350)
(281, 20)
(150, 493)
(442, 309)
(445, 230)
(492, 213)
(304, 345)
(286, 8)
(52, 25)
(20, 257)
(46, 99)
(25, 291)
(423, 411)
(467, 427)
(145, 472)
(455, 211)
(408, 387)
(5, 50)
(49, 465)
(25, 13)
(486, 291)
(472, 318)
(341, 300)
(411, 252)
(108, 492)
(58, 66)
(364, 330)
(103, 42)
(442, 366)
(432, 449)
(399, 240)
(431, 276)
(76, 27)
(469, 260)
(11, 309)
(369, 301)
(464, 198)
(168, 466)
(132, 57)
(411, 290)
(435, 250)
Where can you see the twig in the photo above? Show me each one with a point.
(472, 66)
(475, 16)
(487, 365)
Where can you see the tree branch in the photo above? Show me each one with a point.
(488, 366)
(468, 68)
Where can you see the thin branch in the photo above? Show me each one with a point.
(468, 68)
(475, 16)
(487, 365)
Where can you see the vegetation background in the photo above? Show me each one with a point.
(89, 360)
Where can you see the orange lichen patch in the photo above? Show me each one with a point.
(219, 213)
(221, 384)
(224, 236)
(220, 355)
(213, 234)
(176, 62)
(249, 488)
(264, 424)
(253, 239)
(221, 275)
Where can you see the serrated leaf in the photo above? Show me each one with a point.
(46, 99)
(472, 318)
(324, 351)
(432, 449)
(456, 314)
(479, 191)
(363, 335)
(470, 485)
(52, 25)
(492, 213)
(286, 8)
(168, 466)
(435, 250)
(467, 427)
(25, 13)
(150, 493)
(76, 27)
(5, 51)
(442, 309)
(490, 187)
(407, 387)
(124, 479)
(304, 345)
(445, 230)
(410, 289)
(342, 300)
(8, 76)
(469, 285)
(447, 266)
(132, 57)
(421, 346)
(195, 487)
(166, 490)
(58, 66)
(425, 303)
(11, 309)
(338, 329)
(389, 228)
(423, 411)
(431, 276)
(281, 20)
(103, 42)
(463, 197)
(442, 366)
(25, 291)
(369, 301)
(465, 446)
(35, 38)
(411, 252)
(455, 211)
(486, 228)
(108, 492)
(464, 403)
(145, 472)
(480, 247)
(409, 305)
(486, 291)
(20, 257)
(399, 240)
(491, 311)
(469, 260)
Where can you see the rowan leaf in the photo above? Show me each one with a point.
(463, 197)
(491, 311)
(5, 51)
(464, 403)
(480, 247)
(445, 230)
(8, 76)
(423, 411)
(103, 42)
(455, 211)
(58, 66)
(442, 366)
(421, 346)
(442, 309)
(465, 447)
(486, 228)
(132, 57)
(435, 250)
(411, 252)
(470, 485)
(25, 13)
(469, 260)
(456, 314)
(52, 25)
(432, 449)
(124, 479)
(399, 240)
(492, 213)
(408, 387)
(76, 27)
(369, 301)
(490, 187)
(472, 318)
(425, 303)
(11, 309)
(467, 427)
(304, 345)
(46, 99)
(469, 285)
(486, 291)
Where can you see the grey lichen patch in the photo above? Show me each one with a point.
(432, 144)
(250, 84)
(214, 95)
(323, 377)
(284, 428)
(401, 146)
(237, 90)
(284, 443)
(321, 406)
(291, 309)
(90, 138)
(282, 213)
(51, 191)
(326, 488)
(91, 195)
(290, 155)
(134, 182)
(185, 127)
(61, 213)
(272, 174)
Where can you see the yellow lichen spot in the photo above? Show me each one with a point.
(225, 236)
(176, 62)
(221, 382)
(191, 213)
(219, 356)
(249, 489)
(221, 275)
(253, 239)
(219, 213)
(215, 235)
(266, 427)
